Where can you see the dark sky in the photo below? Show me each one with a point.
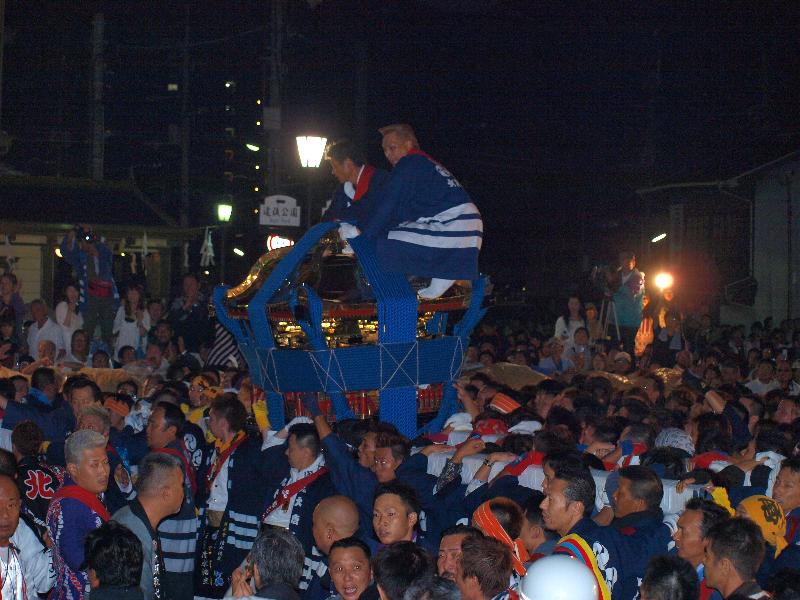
(550, 115)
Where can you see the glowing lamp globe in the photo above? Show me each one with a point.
(664, 281)
(224, 212)
(311, 149)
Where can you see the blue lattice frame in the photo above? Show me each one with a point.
(394, 366)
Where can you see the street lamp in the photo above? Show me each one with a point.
(224, 212)
(310, 148)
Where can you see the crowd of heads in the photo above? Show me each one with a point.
(695, 403)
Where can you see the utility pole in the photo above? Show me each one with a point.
(185, 127)
(97, 109)
(786, 180)
(361, 85)
(2, 40)
(652, 90)
(363, 58)
(272, 108)
(5, 140)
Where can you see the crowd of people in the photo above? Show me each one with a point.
(655, 456)
(181, 473)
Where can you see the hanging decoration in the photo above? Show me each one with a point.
(145, 251)
(11, 260)
(207, 250)
(186, 257)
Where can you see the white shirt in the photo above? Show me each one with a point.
(280, 517)
(128, 333)
(49, 331)
(74, 359)
(11, 572)
(76, 322)
(565, 330)
(5, 438)
(218, 498)
(37, 562)
(349, 188)
(761, 389)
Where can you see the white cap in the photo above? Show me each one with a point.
(558, 577)
(529, 427)
(296, 421)
(460, 421)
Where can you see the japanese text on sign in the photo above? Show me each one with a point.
(279, 210)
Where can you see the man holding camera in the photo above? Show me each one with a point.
(92, 261)
(628, 288)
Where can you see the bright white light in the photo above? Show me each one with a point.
(255, 189)
(311, 148)
(258, 123)
(664, 281)
(206, 273)
(258, 167)
(58, 253)
(658, 238)
(276, 241)
(258, 101)
(238, 252)
(224, 212)
(252, 147)
(122, 254)
(228, 84)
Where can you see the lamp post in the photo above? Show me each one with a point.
(310, 149)
(224, 212)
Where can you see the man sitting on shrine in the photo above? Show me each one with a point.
(350, 201)
(423, 221)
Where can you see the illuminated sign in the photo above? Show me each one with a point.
(276, 241)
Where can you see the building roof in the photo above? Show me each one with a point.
(25, 198)
(722, 184)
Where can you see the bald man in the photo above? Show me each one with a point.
(335, 518)
(423, 222)
(13, 582)
(24, 563)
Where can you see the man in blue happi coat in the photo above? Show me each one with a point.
(569, 498)
(389, 461)
(786, 492)
(359, 182)
(638, 517)
(423, 222)
(93, 261)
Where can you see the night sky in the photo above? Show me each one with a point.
(550, 115)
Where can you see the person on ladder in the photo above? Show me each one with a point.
(627, 301)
